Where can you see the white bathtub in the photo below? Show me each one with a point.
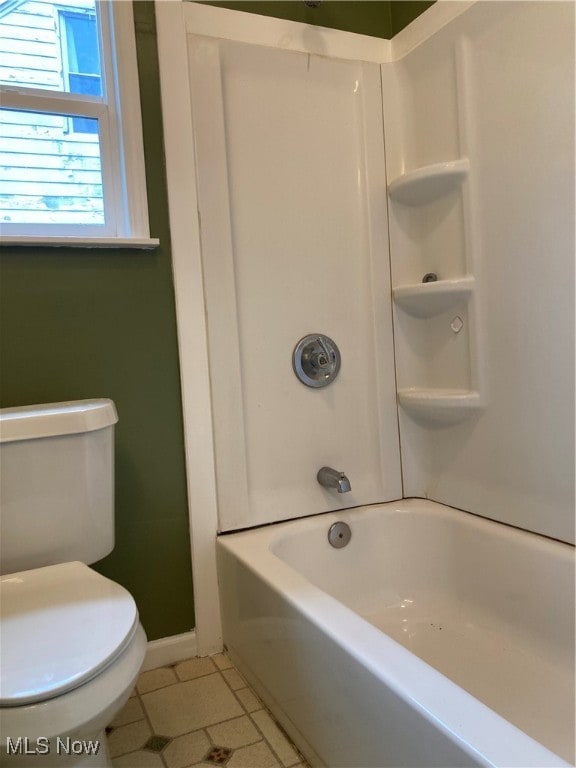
(434, 638)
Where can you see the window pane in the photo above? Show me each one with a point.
(80, 56)
(49, 173)
(50, 45)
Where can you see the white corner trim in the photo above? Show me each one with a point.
(191, 321)
(279, 33)
(427, 24)
(169, 650)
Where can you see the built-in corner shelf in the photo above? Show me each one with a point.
(457, 364)
(429, 299)
(426, 184)
(439, 406)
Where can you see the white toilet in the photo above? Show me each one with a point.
(71, 644)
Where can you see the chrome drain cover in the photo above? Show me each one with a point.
(339, 534)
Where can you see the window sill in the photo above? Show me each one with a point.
(141, 243)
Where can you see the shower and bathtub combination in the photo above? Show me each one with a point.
(377, 346)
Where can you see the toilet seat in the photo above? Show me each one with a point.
(61, 625)
(85, 710)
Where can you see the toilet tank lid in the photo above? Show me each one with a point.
(28, 422)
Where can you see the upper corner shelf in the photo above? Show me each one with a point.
(423, 185)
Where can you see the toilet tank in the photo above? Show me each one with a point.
(56, 483)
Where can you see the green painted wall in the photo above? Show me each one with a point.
(365, 17)
(379, 18)
(101, 323)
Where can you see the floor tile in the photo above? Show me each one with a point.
(130, 713)
(275, 738)
(139, 759)
(218, 755)
(186, 750)
(257, 755)
(190, 705)
(222, 661)
(157, 743)
(178, 715)
(128, 738)
(249, 700)
(234, 679)
(234, 733)
(187, 670)
(156, 678)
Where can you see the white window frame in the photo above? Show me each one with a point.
(121, 143)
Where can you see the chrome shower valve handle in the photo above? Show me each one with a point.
(316, 360)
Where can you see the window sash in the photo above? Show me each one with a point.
(107, 170)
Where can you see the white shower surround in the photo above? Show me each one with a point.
(176, 21)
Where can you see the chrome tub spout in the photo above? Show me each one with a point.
(331, 478)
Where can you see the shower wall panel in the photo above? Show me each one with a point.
(485, 355)
(292, 191)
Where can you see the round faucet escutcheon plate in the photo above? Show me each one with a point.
(316, 360)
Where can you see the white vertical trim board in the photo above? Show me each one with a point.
(191, 321)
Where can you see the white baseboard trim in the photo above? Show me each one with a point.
(169, 650)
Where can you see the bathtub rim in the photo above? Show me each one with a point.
(461, 717)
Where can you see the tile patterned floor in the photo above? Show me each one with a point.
(198, 713)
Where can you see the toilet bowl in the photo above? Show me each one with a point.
(72, 647)
(71, 641)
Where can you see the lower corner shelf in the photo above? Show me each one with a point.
(439, 406)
